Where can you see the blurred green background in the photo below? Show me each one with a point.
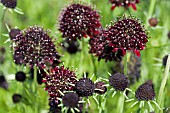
(46, 13)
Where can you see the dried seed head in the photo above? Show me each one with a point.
(70, 46)
(119, 81)
(99, 88)
(169, 35)
(145, 91)
(153, 22)
(9, 3)
(70, 99)
(60, 79)
(34, 47)
(77, 21)
(164, 60)
(16, 98)
(13, 33)
(127, 34)
(20, 76)
(3, 82)
(124, 3)
(2, 50)
(84, 87)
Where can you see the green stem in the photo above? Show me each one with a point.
(84, 105)
(164, 80)
(35, 90)
(1, 23)
(122, 97)
(151, 9)
(94, 66)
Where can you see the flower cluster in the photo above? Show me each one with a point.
(59, 79)
(34, 46)
(77, 21)
(124, 3)
(125, 34)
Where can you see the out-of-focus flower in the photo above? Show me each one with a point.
(153, 22)
(9, 3)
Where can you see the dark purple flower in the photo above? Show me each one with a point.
(77, 21)
(145, 91)
(70, 100)
(3, 82)
(58, 80)
(20, 76)
(124, 3)
(119, 81)
(34, 46)
(16, 98)
(85, 87)
(9, 3)
(99, 46)
(127, 34)
(70, 46)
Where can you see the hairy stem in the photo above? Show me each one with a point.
(164, 80)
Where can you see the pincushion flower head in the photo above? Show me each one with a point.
(100, 47)
(35, 47)
(79, 20)
(59, 79)
(124, 3)
(127, 33)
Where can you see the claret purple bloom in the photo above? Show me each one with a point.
(78, 20)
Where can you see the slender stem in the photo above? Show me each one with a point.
(35, 90)
(84, 105)
(94, 66)
(122, 98)
(151, 9)
(164, 80)
(1, 23)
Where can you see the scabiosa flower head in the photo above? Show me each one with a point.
(99, 46)
(124, 3)
(9, 3)
(100, 88)
(59, 79)
(153, 22)
(16, 98)
(85, 87)
(145, 91)
(70, 99)
(35, 47)
(77, 21)
(20, 76)
(119, 81)
(127, 34)
(13, 34)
